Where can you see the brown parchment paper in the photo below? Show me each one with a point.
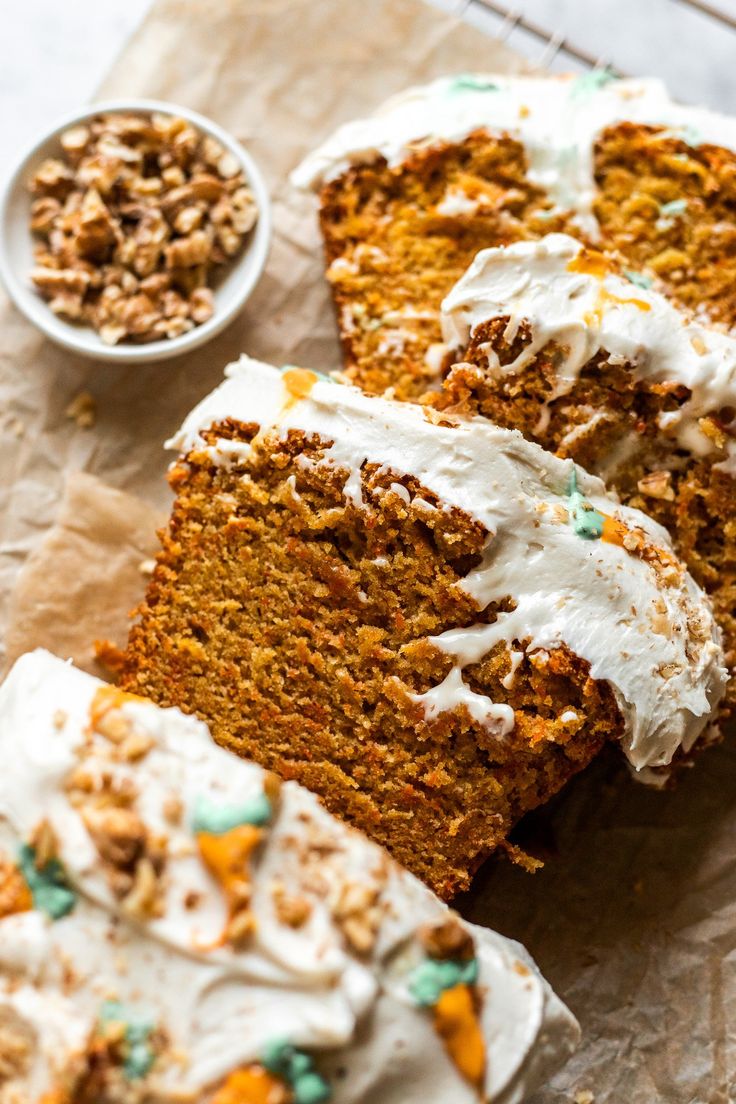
(85, 575)
(633, 918)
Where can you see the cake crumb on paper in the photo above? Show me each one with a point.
(82, 410)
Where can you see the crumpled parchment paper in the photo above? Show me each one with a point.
(633, 917)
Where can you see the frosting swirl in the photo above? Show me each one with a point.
(226, 935)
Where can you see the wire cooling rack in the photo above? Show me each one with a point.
(690, 43)
(552, 42)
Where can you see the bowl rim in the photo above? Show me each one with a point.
(64, 333)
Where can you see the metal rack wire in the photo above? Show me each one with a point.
(554, 43)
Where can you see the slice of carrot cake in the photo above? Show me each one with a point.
(424, 618)
(553, 340)
(177, 926)
(409, 195)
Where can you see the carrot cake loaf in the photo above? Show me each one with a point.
(424, 618)
(176, 926)
(409, 195)
(553, 339)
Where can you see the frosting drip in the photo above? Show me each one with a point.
(585, 308)
(622, 602)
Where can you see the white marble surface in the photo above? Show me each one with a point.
(54, 53)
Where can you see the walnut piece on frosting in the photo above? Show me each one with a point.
(133, 220)
(357, 911)
(17, 1044)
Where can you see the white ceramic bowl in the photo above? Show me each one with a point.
(16, 246)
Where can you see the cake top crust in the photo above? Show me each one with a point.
(168, 905)
(580, 569)
(556, 118)
(574, 297)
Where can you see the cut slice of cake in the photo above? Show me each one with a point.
(426, 619)
(409, 195)
(557, 343)
(176, 926)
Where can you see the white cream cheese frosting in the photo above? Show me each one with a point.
(557, 119)
(622, 603)
(588, 312)
(330, 976)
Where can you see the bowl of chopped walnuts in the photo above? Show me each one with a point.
(134, 231)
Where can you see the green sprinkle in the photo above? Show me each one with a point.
(638, 278)
(274, 1055)
(687, 134)
(432, 976)
(209, 816)
(296, 1067)
(691, 136)
(586, 522)
(674, 207)
(138, 1053)
(310, 1088)
(469, 83)
(549, 213)
(49, 887)
(587, 85)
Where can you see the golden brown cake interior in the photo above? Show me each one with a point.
(608, 423)
(669, 208)
(396, 238)
(393, 255)
(288, 619)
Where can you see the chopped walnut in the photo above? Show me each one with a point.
(133, 219)
(714, 431)
(173, 809)
(118, 834)
(657, 484)
(134, 861)
(192, 899)
(17, 1044)
(82, 410)
(45, 844)
(291, 909)
(450, 939)
(358, 914)
(130, 744)
(144, 897)
(272, 787)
